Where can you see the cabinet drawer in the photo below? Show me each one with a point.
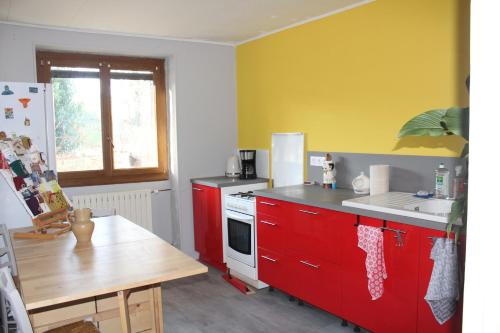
(318, 232)
(274, 269)
(271, 233)
(317, 281)
(271, 207)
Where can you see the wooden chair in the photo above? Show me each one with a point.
(11, 295)
(23, 325)
(7, 255)
(6, 250)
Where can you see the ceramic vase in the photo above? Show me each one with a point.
(83, 227)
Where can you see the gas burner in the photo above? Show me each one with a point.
(244, 195)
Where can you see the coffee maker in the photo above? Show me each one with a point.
(248, 164)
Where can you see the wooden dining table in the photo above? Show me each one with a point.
(114, 280)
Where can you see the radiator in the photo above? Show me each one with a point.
(132, 205)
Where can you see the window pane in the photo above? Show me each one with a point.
(133, 111)
(77, 102)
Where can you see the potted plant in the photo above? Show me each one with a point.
(444, 122)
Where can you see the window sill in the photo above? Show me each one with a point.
(66, 180)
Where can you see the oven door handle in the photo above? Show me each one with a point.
(239, 217)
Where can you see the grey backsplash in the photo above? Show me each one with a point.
(407, 173)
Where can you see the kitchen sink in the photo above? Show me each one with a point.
(439, 207)
(405, 204)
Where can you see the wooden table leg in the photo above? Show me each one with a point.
(152, 309)
(124, 315)
(158, 309)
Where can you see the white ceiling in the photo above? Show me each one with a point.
(224, 21)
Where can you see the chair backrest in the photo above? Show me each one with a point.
(7, 249)
(11, 294)
(103, 212)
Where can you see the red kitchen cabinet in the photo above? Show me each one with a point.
(275, 270)
(207, 221)
(396, 310)
(272, 232)
(317, 233)
(313, 254)
(316, 281)
(426, 321)
(271, 207)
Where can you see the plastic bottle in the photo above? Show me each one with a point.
(458, 187)
(442, 182)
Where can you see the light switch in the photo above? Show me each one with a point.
(317, 160)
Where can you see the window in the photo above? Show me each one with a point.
(110, 117)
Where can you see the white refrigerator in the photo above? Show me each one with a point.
(27, 109)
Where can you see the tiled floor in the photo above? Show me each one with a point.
(208, 304)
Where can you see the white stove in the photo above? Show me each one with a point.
(241, 236)
(241, 202)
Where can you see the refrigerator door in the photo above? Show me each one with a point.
(23, 112)
(13, 212)
(26, 109)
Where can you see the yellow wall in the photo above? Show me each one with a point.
(351, 80)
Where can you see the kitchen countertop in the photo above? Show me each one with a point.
(223, 181)
(317, 196)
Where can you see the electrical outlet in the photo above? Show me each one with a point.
(317, 160)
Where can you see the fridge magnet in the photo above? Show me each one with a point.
(33, 205)
(18, 147)
(3, 135)
(29, 183)
(49, 175)
(25, 192)
(35, 157)
(36, 169)
(33, 90)
(26, 140)
(27, 122)
(35, 176)
(6, 91)
(3, 162)
(24, 102)
(19, 183)
(9, 155)
(9, 113)
(19, 169)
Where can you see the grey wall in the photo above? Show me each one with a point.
(407, 173)
(202, 113)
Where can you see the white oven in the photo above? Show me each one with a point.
(241, 237)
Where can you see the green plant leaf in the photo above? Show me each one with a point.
(425, 124)
(455, 120)
(465, 151)
(457, 211)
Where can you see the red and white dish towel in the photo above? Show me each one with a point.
(371, 240)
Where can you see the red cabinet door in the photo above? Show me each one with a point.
(426, 321)
(200, 221)
(316, 281)
(356, 303)
(275, 269)
(271, 207)
(396, 310)
(272, 232)
(317, 232)
(401, 285)
(207, 218)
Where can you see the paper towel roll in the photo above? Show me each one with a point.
(379, 179)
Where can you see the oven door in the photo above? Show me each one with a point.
(241, 237)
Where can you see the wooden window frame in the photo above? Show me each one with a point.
(46, 59)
